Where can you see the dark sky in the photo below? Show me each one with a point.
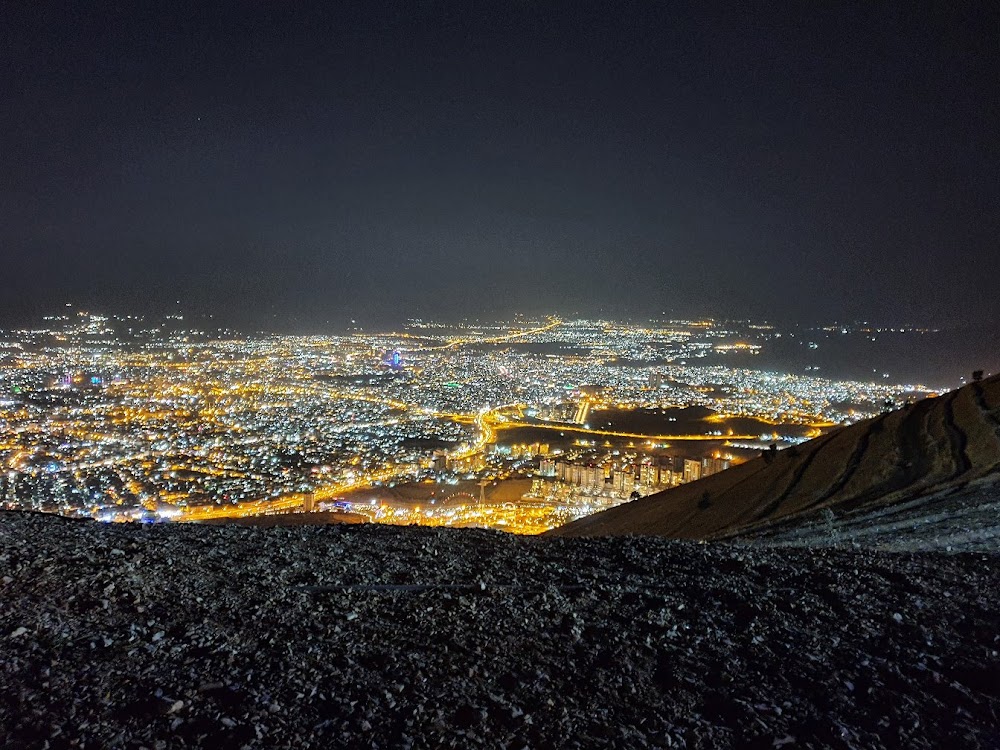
(303, 162)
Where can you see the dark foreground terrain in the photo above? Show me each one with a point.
(356, 636)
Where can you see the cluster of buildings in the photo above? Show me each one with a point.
(623, 478)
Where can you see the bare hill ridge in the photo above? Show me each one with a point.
(937, 457)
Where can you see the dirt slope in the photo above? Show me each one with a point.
(939, 447)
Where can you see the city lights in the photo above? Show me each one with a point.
(123, 418)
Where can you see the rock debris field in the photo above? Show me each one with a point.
(365, 636)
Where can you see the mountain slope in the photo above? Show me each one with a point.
(943, 450)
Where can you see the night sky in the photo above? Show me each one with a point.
(294, 163)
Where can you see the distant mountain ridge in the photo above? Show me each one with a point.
(937, 458)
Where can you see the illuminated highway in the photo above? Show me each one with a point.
(483, 421)
(560, 427)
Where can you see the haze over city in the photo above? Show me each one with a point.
(299, 167)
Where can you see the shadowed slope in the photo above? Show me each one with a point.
(932, 449)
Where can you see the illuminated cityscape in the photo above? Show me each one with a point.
(520, 425)
(499, 375)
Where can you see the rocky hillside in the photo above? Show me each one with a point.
(366, 636)
(883, 478)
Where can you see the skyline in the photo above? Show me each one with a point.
(839, 349)
(312, 164)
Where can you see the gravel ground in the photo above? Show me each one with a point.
(964, 519)
(370, 636)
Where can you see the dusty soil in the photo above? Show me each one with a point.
(347, 636)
